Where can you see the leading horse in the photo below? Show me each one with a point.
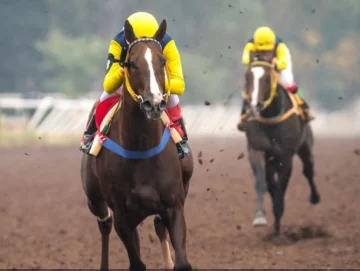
(275, 132)
(134, 188)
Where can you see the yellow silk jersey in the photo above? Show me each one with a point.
(280, 52)
(114, 77)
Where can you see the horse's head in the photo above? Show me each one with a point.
(260, 84)
(145, 69)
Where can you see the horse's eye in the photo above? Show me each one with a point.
(132, 64)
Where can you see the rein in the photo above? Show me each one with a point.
(130, 90)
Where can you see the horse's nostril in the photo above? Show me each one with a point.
(162, 105)
(147, 106)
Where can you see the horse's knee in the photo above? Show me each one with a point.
(99, 209)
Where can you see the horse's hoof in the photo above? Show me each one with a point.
(137, 267)
(259, 221)
(315, 198)
(187, 267)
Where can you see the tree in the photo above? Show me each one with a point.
(22, 23)
(71, 64)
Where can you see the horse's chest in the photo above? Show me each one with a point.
(130, 171)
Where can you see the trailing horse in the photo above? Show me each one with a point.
(275, 132)
(137, 171)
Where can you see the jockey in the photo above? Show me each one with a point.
(144, 25)
(265, 41)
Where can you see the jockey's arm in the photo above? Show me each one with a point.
(174, 66)
(282, 57)
(114, 77)
(249, 47)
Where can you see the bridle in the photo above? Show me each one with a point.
(138, 98)
(274, 82)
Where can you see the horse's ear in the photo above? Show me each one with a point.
(129, 32)
(160, 34)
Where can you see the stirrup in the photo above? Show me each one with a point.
(183, 149)
(85, 146)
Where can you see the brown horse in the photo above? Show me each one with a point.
(136, 187)
(275, 133)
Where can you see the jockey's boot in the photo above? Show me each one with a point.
(308, 115)
(182, 146)
(87, 138)
(241, 124)
(176, 117)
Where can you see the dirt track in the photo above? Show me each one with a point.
(45, 222)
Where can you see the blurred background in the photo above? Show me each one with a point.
(53, 55)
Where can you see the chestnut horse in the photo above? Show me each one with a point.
(275, 133)
(149, 183)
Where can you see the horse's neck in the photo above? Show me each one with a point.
(135, 131)
(281, 103)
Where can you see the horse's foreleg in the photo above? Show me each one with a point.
(100, 209)
(256, 159)
(161, 232)
(97, 206)
(284, 173)
(175, 221)
(261, 189)
(307, 159)
(270, 179)
(130, 238)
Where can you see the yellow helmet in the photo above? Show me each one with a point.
(144, 24)
(264, 38)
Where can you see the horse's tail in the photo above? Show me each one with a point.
(145, 197)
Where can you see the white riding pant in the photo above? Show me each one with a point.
(173, 99)
(287, 76)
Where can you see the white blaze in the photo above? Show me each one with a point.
(258, 72)
(154, 86)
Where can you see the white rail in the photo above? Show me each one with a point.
(69, 117)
